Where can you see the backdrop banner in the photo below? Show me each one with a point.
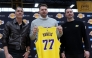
(86, 18)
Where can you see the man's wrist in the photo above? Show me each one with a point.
(28, 51)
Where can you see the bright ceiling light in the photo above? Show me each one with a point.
(36, 4)
(72, 5)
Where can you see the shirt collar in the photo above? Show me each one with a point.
(15, 22)
(43, 18)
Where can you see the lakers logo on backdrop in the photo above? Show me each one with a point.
(1, 35)
(59, 15)
(1, 22)
(36, 15)
(90, 21)
(12, 15)
(80, 15)
(90, 33)
(25, 21)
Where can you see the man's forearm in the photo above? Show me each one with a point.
(6, 50)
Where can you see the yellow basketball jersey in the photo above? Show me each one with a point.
(47, 44)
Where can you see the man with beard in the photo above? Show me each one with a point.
(73, 32)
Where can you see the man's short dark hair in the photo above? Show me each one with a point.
(43, 5)
(67, 8)
(18, 7)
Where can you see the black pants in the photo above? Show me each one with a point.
(75, 56)
(17, 53)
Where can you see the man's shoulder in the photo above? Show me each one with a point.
(35, 20)
(9, 22)
(52, 18)
(80, 22)
(65, 23)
